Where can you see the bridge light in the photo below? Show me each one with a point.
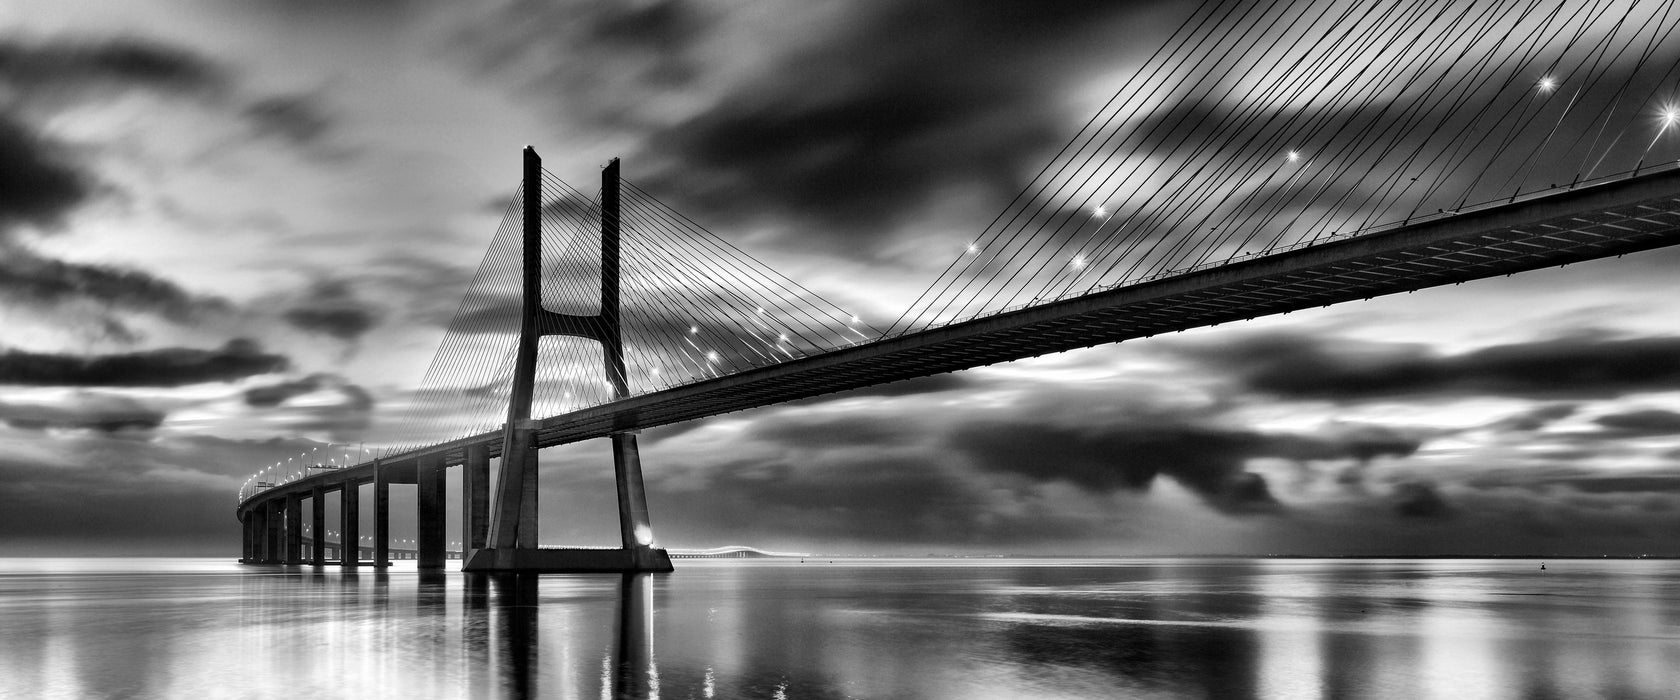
(972, 248)
(1670, 115)
(782, 338)
(644, 535)
(712, 356)
(1078, 261)
(693, 329)
(1100, 211)
(1294, 156)
(1546, 84)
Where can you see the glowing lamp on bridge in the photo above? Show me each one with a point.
(644, 535)
(1294, 156)
(1100, 211)
(1546, 84)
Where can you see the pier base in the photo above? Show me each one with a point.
(568, 560)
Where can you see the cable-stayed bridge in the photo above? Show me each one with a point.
(1265, 159)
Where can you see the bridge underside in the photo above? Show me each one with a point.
(1582, 224)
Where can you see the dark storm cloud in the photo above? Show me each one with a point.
(120, 62)
(38, 185)
(331, 308)
(270, 395)
(878, 108)
(1579, 479)
(825, 432)
(1419, 499)
(897, 104)
(163, 367)
(294, 118)
(1537, 418)
(106, 488)
(29, 278)
(1303, 367)
(1209, 461)
(86, 410)
(1644, 422)
(834, 496)
(1130, 454)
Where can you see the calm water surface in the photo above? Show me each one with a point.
(1132, 628)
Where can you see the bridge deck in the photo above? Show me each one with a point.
(1586, 223)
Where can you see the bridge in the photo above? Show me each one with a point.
(1140, 226)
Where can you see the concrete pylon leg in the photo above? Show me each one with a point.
(318, 526)
(381, 516)
(475, 498)
(349, 525)
(430, 514)
(633, 526)
(514, 524)
(273, 522)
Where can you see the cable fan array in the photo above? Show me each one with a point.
(692, 307)
(1263, 126)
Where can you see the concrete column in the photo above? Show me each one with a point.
(430, 528)
(349, 525)
(294, 529)
(245, 538)
(633, 525)
(273, 524)
(381, 516)
(475, 497)
(318, 525)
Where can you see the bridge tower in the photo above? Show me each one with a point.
(512, 539)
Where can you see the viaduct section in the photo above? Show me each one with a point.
(1581, 223)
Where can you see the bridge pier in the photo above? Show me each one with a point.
(349, 525)
(294, 530)
(430, 529)
(273, 532)
(475, 498)
(244, 538)
(381, 514)
(318, 526)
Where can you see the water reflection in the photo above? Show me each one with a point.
(864, 629)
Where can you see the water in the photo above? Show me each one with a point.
(1155, 628)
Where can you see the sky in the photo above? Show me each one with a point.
(231, 232)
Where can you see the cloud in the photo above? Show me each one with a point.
(37, 185)
(271, 395)
(29, 278)
(1643, 422)
(1344, 370)
(331, 308)
(1419, 499)
(297, 119)
(83, 410)
(76, 64)
(162, 367)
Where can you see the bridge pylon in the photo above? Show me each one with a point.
(512, 540)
